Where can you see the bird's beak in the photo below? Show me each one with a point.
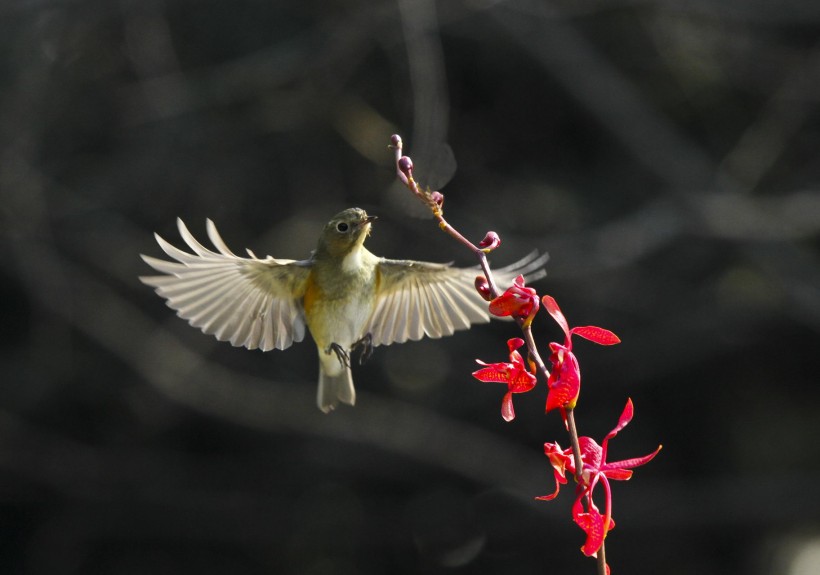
(368, 220)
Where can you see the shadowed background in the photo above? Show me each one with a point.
(664, 153)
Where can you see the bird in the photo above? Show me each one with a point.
(347, 298)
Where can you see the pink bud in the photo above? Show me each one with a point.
(437, 197)
(483, 288)
(490, 242)
(406, 165)
(395, 141)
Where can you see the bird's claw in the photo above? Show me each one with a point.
(341, 354)
(366, 345)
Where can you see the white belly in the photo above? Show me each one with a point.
(331, 322)
(342, 325)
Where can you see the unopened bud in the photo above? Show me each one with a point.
(483, 288)
(490, 242)
(437, 198)
(395, 141)
(406, 165)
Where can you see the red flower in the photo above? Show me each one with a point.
(565, 378)
(518, 301)
(596, 469)
(515, 374)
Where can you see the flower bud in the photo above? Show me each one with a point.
(490, 242)
(483, 288)
(437, 198)
(406, 165)
(395, 141)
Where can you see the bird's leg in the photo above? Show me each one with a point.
(366, 343)
(341, 354)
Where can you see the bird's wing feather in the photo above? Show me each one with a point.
(418, 299)
(250, 302)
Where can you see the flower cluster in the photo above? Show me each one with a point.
(591, 467)
(585, 460)
(596, 469)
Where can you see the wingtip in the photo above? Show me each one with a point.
(183, 229)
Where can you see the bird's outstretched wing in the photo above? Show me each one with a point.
(418, 299)
(250, 302)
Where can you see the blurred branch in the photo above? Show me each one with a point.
(656, 143)
(765, 140)
(218, 85)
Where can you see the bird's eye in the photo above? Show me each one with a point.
(342, 227)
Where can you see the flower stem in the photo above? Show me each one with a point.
(602, 559)
(533, 350)
(576, 446)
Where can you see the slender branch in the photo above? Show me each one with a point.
(434, 200)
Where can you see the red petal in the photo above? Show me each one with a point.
(555, 311)
(552, 495)
(619, 474)
(566, 387)
(593, 525)
(631, 463)
(561, 460)
(591, 454)
(514, 343)
(596, 334)
(495, 373)
(517, 300)
(522, 381)
(504, 305)
(626, 417)
(507, 411)
(555, 399)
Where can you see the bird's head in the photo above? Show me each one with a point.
(345, 231)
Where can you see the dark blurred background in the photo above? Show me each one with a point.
(664, 153)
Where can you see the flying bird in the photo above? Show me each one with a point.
(347, 297)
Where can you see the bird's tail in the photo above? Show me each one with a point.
(335, 388)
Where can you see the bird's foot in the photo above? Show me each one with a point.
(341, 354)
(366, 345)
